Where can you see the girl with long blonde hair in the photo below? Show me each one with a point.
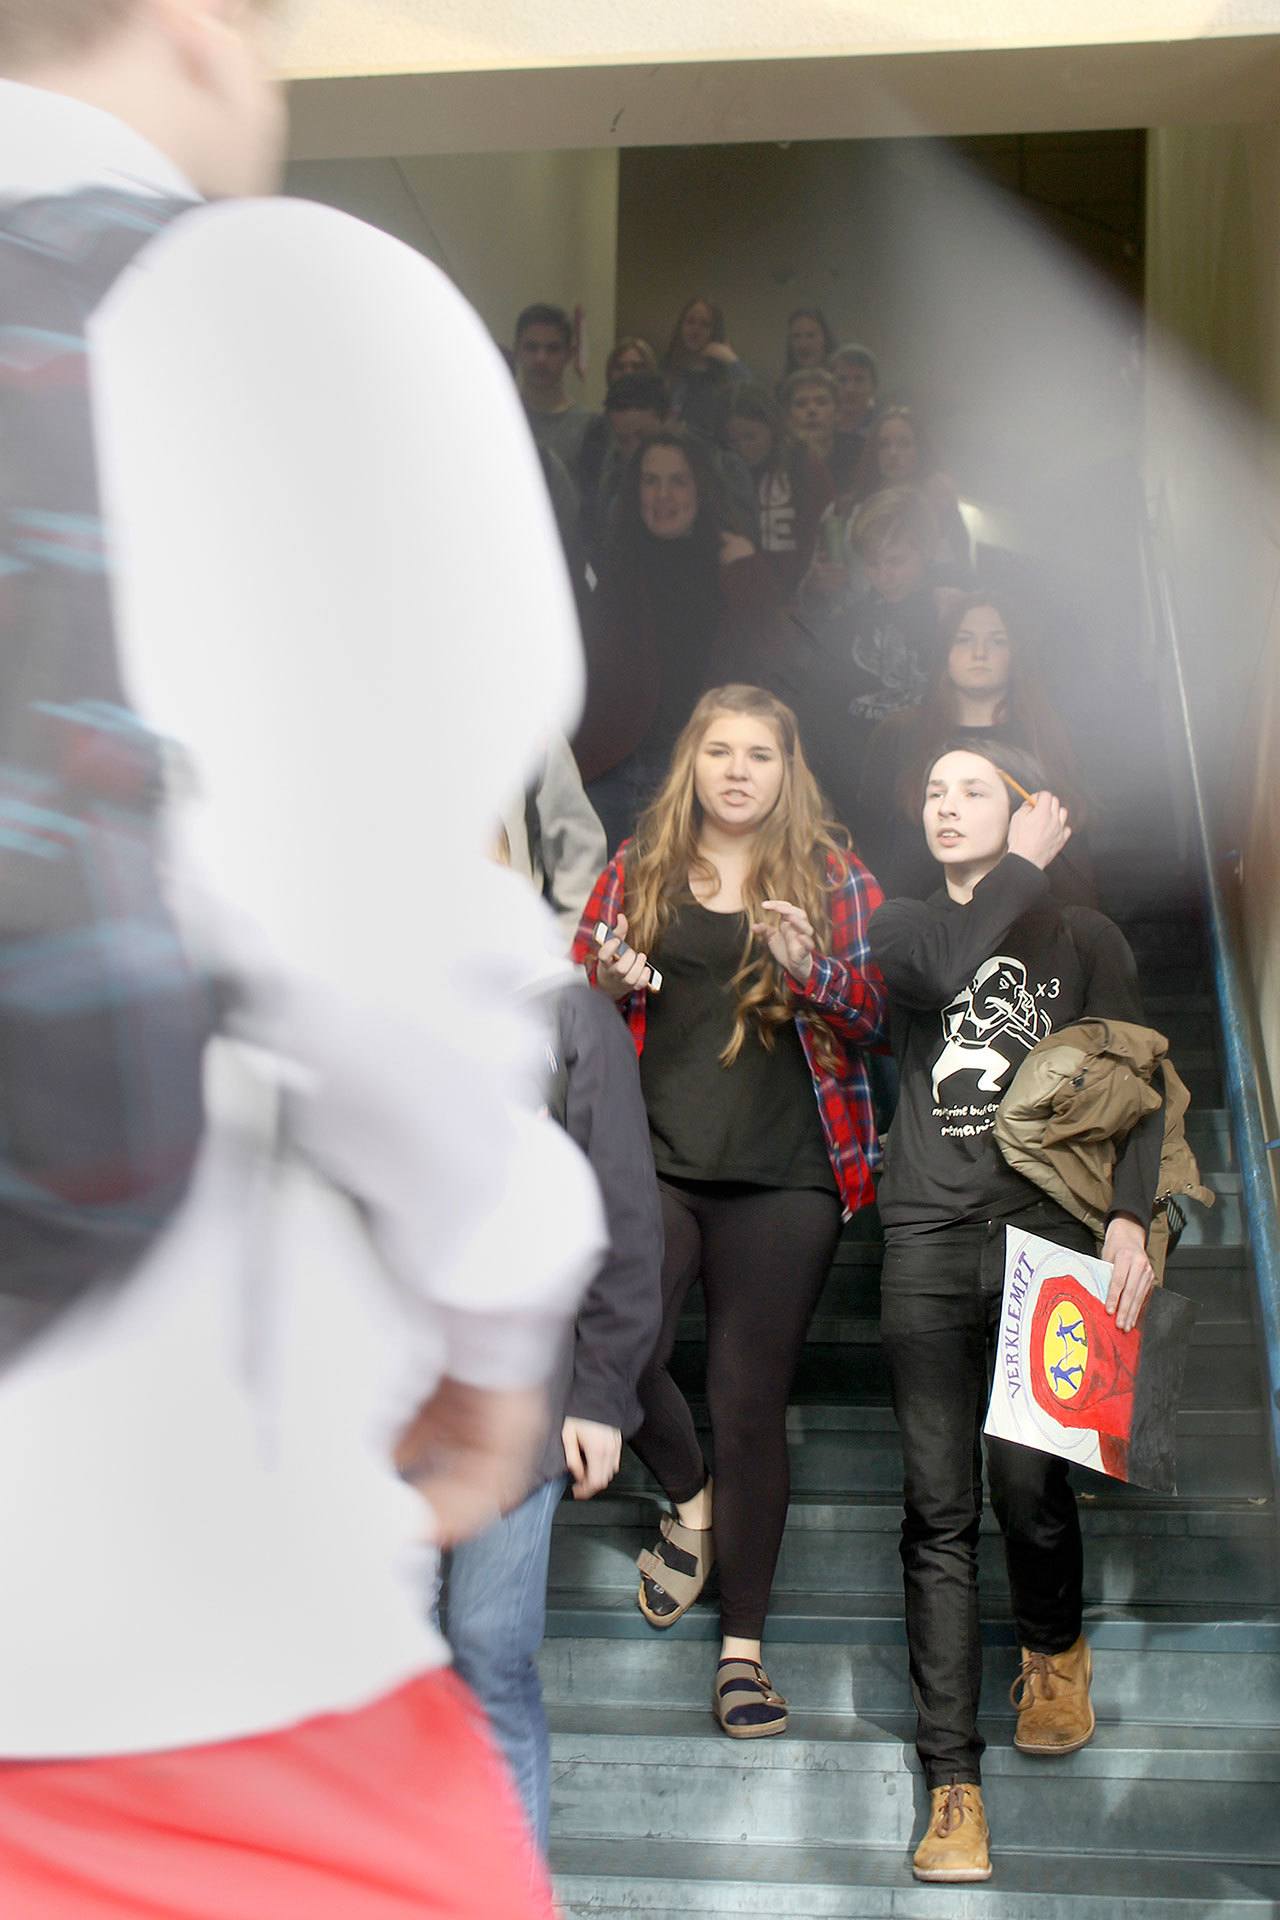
(739, 893)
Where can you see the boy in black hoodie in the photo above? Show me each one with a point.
(977, 975)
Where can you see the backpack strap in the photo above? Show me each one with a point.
(103, 1020)
(59, 258)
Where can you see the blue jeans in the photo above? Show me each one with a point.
(494, 1613)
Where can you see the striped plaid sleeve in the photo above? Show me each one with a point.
(843, 985)
(602, 904)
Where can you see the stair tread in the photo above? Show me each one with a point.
(871, 1513)
(855, 1250)
(862, 1611)
(863, 1329)
(825, 1415)
(882, 1876)
(666, 1736)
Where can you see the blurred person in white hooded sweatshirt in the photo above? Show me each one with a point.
(218, 1697)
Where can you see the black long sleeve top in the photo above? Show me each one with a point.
(972, 988)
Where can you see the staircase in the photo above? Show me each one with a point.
(1173, 1810)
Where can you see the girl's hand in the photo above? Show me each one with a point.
(721, 351)
(617, 972)
(792, 942)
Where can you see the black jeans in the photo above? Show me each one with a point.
(763, 1255)
(940, 1312)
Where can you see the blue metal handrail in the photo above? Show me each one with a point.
(1230, 985)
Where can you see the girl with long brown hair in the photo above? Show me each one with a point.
(738, 890)
(986, 683)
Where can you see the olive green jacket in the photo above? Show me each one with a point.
(1070, 1106)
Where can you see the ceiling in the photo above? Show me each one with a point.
(1225, 78)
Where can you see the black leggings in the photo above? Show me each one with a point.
(763, 1255)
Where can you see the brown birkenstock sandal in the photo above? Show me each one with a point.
(674, 1573)
(746, 1702)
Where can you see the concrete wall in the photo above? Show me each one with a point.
(507, 228)
(1213, 432)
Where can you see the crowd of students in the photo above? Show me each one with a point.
(791, 657)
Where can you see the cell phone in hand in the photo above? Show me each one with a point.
(652, 977)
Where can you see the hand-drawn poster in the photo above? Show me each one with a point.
(1068, 1381)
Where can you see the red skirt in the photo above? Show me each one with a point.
(396, 1812)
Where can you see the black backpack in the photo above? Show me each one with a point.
(103, 1018)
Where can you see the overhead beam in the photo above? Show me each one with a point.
(983, 90)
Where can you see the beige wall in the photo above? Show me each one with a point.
(1213, 432)
(507, 228)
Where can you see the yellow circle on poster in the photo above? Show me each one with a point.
(1066, 1351)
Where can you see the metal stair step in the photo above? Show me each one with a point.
(863, 1247)
(1127, 1567)
(1223, 1295)
(678, 1880)
(1155, 933)
(1199, 1792)
(1221, 1225)
(1152, 1683)
(1185, 1020)
(1131, 1510)
(848, 1316)
(844, 1357)
(1221, 1452)
(876, 1619)
(1209, 1134)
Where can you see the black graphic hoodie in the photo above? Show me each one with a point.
(971, 990)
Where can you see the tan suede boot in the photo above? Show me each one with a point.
(1055, 1713)
(957, 1845)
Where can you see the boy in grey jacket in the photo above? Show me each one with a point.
(495, 1607)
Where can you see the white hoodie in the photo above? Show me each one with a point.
(299, 424)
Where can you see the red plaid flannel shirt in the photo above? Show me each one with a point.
(843, 986)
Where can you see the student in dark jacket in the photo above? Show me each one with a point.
(790, 485)
(857, 378)
(681, 604)
(494, 1611)
(636, 407)
(976, 976)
